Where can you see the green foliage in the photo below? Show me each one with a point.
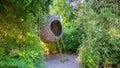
(20, 47)
(49, 48)
(60, 8)
(19, 41)
(100, 43)
(72, 38)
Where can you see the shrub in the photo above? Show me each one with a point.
(19, 43)
(100, 42)
(72, 38)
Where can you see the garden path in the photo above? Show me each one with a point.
(54, 61)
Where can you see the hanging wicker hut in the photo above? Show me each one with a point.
(51, 31)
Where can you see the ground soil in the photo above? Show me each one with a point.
(54, 61)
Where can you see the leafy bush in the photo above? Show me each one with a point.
(72, 38)
(49, 48)
(100, 42)
(19, 41)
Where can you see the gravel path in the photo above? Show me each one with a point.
(54, 61)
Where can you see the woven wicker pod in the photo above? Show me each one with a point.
(51, 31)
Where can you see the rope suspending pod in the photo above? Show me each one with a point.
(51, 29)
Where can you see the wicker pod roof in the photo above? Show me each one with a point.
(51, 31)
